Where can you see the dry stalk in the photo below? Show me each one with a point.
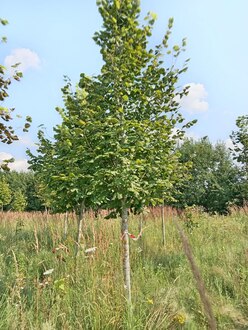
(17, 292)
(36, 240)
(198, 278)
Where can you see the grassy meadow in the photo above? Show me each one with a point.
(43, 286)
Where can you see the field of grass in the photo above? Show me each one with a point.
(43, 287)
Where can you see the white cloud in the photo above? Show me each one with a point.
(229, 143)
(195, 101)
(5, 156)
(25, 140)
(18, 165)
(174, 131)
(26, 57)
(192, 135)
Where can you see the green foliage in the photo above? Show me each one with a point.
(240, 141)
(19, 201)
(59, 187)
(136, 112)
(25, 182)
(5, 193)
(3, 21)
(7, 132)
(34, 200)
(191, 218)
(115, 146)
(116, 141)
(215, 180)
(240, 154)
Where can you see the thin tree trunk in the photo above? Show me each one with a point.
(65, 224)
(141, 223)
(163, 224)
(81, 215)
(141, 241)
(126, 258)
(47, 213)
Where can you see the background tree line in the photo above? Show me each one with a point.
(216, 179)
(19, 192)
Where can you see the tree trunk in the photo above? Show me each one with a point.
(81, 215)
(163, 224)
(47, 213)
(126, 259)
(65, 224)
(141, 223)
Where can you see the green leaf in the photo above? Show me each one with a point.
(117, 4)
(125, 98)
(59, 285)
(3, 21)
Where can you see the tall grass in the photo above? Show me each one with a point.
(40, 289)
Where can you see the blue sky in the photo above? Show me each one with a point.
(54, 38)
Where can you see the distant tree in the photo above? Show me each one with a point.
(5, 193)
(240, 141)
(19, 201)
(25, 182)
(240, 154)
(34, 202)
(16, 180)
(31, 192)
(215, 179)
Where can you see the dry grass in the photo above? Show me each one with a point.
(165, 295)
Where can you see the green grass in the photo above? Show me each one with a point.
(89, 294)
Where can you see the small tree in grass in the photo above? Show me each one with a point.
(135, 125)
(5, 193)
(19, 201)
(115, 147)
(58, 166)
